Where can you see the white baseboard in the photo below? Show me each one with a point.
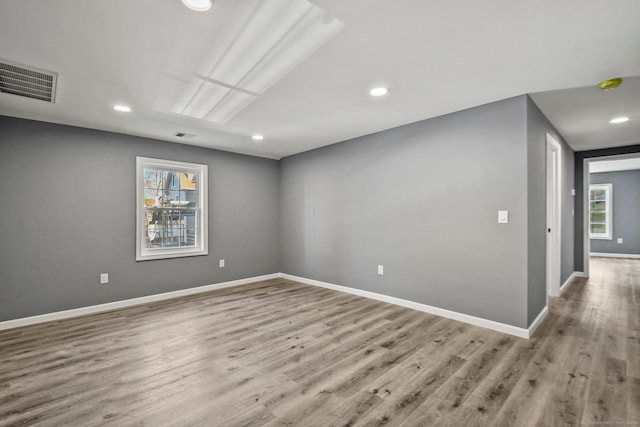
(59, 315)
(538, 320)
(570, 280)
(608, 255)
(473, 320)
(477, 321)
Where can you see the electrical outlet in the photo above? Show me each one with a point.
(221, 263)
(381, 270)
(104, 278)
(619, 240)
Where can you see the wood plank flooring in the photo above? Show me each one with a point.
(279, 353)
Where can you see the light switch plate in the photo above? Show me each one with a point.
(380, 270)
(503, 217)
(619, 240)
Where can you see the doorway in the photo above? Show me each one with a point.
(608, 163)
(554, 185)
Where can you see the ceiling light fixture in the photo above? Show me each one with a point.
(257, 137)
(198, 5)
(122, 108)
(619, 120)
(379, 91)
(610, 83)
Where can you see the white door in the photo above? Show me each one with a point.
(553, 216)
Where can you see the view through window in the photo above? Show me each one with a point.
(600, 211)
(171, 209)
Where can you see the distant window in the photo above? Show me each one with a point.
(171, 211)
(600, 211)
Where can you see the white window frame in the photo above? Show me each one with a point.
(202, 245)
(608, 189)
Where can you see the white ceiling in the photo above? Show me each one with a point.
(614, 165)
(436, 57)
(582, 114)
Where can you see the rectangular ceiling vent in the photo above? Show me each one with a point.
(26, 81)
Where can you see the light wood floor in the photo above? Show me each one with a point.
(278, 353)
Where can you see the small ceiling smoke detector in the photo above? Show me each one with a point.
(184, 135)
(379, 91)
(198, 5)
(610, 83)
(257, 137)
(619, 120)
(122, 108)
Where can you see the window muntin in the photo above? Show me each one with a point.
(600, 211)
(171, 211)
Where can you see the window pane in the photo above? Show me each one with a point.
(170, 226)
(154, 184)
(152, 229)
(191, 237)
(598, 206)
(599, 216)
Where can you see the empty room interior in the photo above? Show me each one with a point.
(319, 213)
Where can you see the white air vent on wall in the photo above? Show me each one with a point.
(29, 82)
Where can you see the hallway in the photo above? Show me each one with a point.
(592, 336)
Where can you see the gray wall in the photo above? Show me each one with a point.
(422, 200)
(68, 214)
(580, 157)
(537, 128)
(626, 212)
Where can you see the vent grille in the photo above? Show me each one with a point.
(29, 82)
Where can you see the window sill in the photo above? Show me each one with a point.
(168, 255)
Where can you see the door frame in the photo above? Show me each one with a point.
(554, 215)
(586, 162)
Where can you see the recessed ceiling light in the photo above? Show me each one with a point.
(122, 108)
(379, 91)
(257, 137)
(198, 5)
(619, 120)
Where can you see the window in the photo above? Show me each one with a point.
(171, 211)
(600, 211)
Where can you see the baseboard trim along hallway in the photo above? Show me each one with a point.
(612, 255)
(570, 280)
